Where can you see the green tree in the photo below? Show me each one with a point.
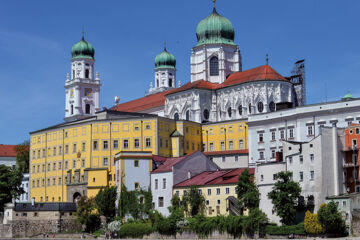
(331, 220)
(105, 202)
(22, 156)
(86, 215)
(284, 196)
(10, 184)
(255, 222)
(247, 192)
(136, 203)
(195, 201)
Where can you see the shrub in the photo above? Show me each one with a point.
(135, 230)
(285, 230)
(93, 224)
(234, 225)
(256, 220)
(331, 220)
(312, 224)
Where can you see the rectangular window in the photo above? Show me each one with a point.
(136, 143)
(312, 157)
(222, 145)
(136, 163)
(236, 158)
(105, 144)
(273, 136)
(227, 190)
(137, 186)
(166, 143)
(116, 144)
(261, 137)
(38, 168)
(241, 144)
(54, 151)
(39, 154)
(301, 176)
(291, 133)
(59, 165)
(192, 146)
(211, 146)
(54, 166)
(74, 148)
(282, 134)
(60, 150)
(218, 191)
(44, 153)
(126, 143)
(66, 165)
(164, 183)
(261, 155)
(312, 175)
(310, 130)
(231, 145)
(49, 167)
(95, 145)
(156, 184)
(106, 161)
(148, 142)
(223, 159)
(209, 192)
(161, 202)
(83, 163)
(43, 167)
(290, 160)
(273, 153)
(301, 158)
(59, 181)
(83, 147)
(187, 145)
(160, 142)
(74, 163)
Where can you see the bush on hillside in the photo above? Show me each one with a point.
(286, 230)
(135, 230)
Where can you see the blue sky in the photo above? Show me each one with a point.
(36, 38)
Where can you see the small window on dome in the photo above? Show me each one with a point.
(187, 115)
(229, 112)
(214, 66)
(176, 116)
(272, 107)
(206, 114)
(249, 108)
(240, 110)
(260, 107)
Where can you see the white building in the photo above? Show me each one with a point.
(302, 124)
(172, 172)
(25, 185)
(7, 155)
(316, 165)
(82, 91)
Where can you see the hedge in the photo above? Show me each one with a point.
(286, 230)
(135, 230)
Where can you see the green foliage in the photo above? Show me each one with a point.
(312, 224)
(234, 225)
(286, 230)
(85, 214)
(256, 220)
(99, 232)
(136, 203)
(105, 202)
(23, 156)
(195, 201)
(331, 220)
(247, 191)
(170, 225)
(10, 184)
(284, 196)
(135, 230)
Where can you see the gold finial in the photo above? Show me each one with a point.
(214, 1)
(82, 32)
(267, 59)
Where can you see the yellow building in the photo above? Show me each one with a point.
(218, 189)
(76, 158)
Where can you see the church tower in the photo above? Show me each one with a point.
(215, 56)
(82, 90)
(165, 72)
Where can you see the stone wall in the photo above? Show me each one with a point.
(29, 228)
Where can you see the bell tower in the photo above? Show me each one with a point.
(82, 89)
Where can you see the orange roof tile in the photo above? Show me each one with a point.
(7, 150)
(200, 84)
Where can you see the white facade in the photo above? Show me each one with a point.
(228, 161)
(8, 161)
(228, 60)
(161, 189)
(302, 124)
(82, 91)
(25, 185)
(165, 78)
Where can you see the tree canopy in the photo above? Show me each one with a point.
(105, 202)
(194, 201)
(284, 197)
(247, 192)
(22, 156)
(331, 220)
(86, 214)
(10, 184)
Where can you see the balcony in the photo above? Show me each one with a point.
(350, 165)
(352, 180)
(352, 148)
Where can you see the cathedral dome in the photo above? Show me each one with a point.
(82, 49)
(215, 29)
(165, 60)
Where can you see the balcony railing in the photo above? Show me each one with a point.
(350, 164)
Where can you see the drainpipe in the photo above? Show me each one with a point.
(335, 161)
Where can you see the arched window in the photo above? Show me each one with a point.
(72, 110)
(86, 73)
(272, 107)
(87, 108)
(214, 66)
(240, 110)
(176, 116)
(187, 115)
(229, 112)
(73, 76)
(157, 82)
(260, 107)
(206, 114)
(249, 108)
(170, 82)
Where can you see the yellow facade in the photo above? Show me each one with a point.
(215, 197)
(225, 136)
(82, 152)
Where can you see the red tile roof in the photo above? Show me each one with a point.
(7, 150)
(168, 164)
(215, 177)
(261, 73)
(228, 152)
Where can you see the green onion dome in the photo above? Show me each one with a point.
(165, 60)
(215, 29)
(82, 49)
(348, 96)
